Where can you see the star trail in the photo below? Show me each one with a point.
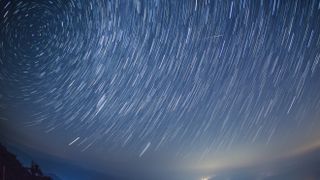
(141, 79)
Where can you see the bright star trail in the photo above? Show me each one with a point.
(184, 80)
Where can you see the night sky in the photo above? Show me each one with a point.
(144, 88)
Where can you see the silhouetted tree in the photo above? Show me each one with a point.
(35, 170)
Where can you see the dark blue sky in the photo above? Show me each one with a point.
(160, 85)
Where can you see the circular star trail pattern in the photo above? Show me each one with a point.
(151, 76)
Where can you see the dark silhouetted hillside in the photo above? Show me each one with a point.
(11, 168)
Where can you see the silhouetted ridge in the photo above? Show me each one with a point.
(11, 168)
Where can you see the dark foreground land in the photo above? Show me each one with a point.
(11, 168)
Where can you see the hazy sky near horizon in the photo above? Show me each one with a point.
(160, 85)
